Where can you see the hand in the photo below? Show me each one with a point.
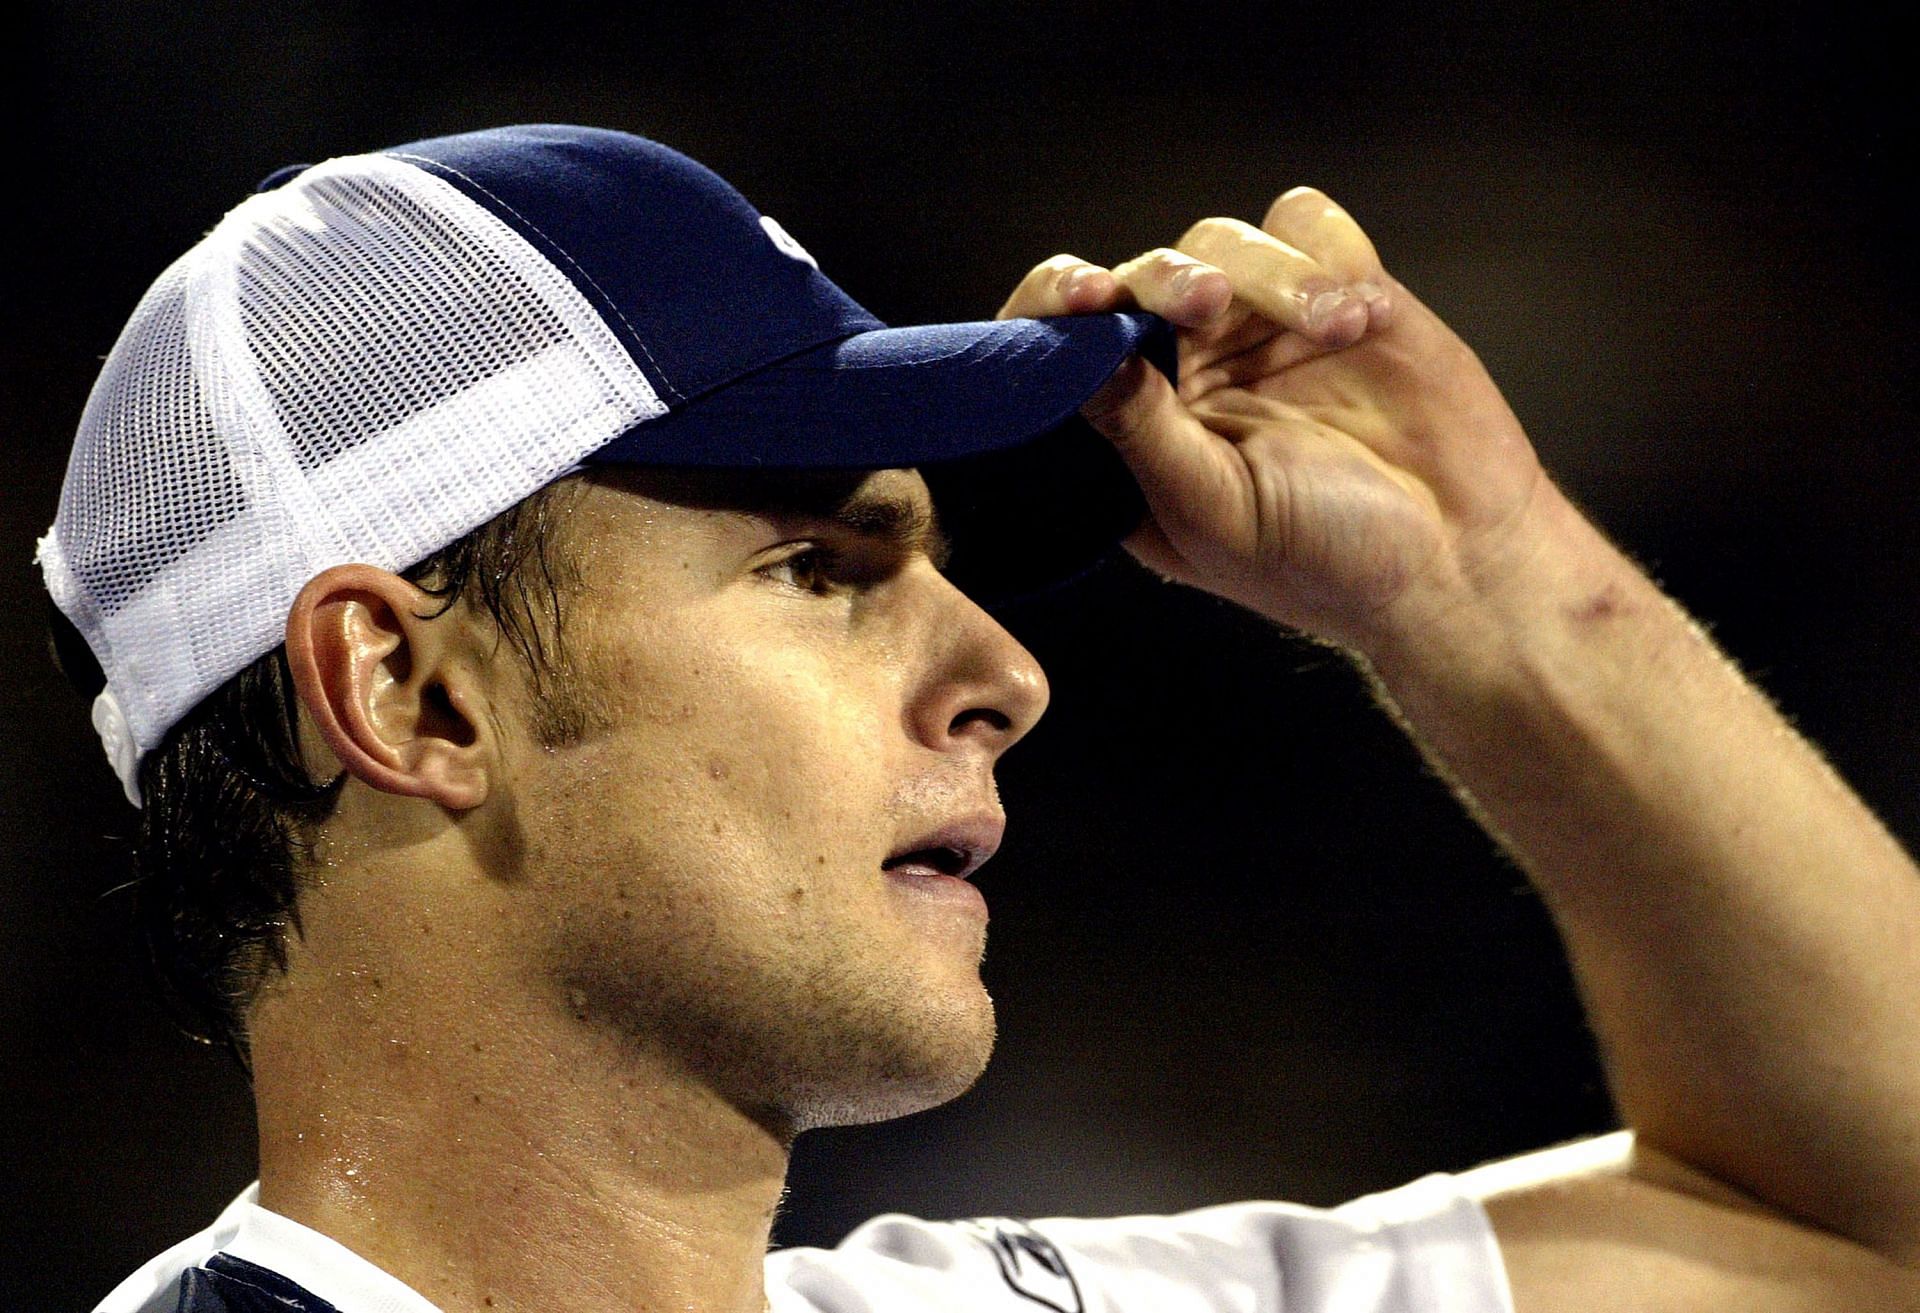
(1334, 456)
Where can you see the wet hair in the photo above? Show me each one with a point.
(226, 833)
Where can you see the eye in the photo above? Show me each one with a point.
(812, 569)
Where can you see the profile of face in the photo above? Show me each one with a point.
(746, 864)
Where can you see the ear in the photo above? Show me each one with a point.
(386, 687)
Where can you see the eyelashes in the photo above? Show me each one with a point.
(811, 570)
(825, 569)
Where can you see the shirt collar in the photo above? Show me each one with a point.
(319, 1265)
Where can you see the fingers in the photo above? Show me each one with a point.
(1308, 268)
(1175, 286)
(1309, 219)
(1064, 285)
(1281, 281)
(1186, 473)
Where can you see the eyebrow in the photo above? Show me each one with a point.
(891, 515)
(905, 522)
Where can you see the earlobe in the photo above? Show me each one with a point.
(377, 671)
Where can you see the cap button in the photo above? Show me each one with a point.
(116, 736)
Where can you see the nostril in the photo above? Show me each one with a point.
(998, 721)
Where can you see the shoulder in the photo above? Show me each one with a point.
(154, 1287)
(253, 1260)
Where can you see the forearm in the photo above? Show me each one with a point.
(1745, 933)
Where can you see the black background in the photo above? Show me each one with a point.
(1243, 944)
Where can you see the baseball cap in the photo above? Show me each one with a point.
(372, 356)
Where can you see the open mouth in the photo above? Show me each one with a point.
(955, 850)
(933, 861)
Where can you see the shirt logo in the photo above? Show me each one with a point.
(1029, 1262)
(783, 241)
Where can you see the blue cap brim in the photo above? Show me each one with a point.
(988, 412)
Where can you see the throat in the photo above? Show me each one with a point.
(636, 1190)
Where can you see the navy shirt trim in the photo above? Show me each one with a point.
(232, 1285)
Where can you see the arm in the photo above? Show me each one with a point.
(1745, 934)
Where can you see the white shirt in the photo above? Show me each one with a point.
(1424, 1248)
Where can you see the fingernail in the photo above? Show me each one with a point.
(1322, 308)
(1379, 306)
(1183, 279)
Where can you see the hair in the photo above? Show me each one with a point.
(231, 810)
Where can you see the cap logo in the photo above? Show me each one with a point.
(783, 240)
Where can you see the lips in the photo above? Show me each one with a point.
(957, 849)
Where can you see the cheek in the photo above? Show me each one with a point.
(756, 767)
(730, 831)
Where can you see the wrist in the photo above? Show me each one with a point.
(1555, 586)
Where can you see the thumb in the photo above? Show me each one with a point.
(1185, 470)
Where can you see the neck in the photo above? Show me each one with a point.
(495, 1161)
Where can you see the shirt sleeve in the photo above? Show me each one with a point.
(1424, 1248)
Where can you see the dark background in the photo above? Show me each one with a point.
(1243, 945)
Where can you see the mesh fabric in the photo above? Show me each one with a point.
(360, 366)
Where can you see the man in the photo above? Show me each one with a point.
(571, 946)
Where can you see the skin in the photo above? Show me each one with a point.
(1741, 926)
(572, 1004)
(605, 985)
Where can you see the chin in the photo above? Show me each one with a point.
(899, 1072)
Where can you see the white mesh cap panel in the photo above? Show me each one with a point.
(362, 365)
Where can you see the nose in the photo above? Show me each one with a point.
(983, 691)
